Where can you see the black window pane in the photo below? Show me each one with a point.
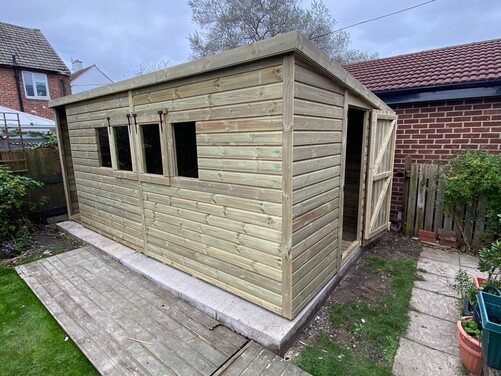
(152, 149)
(186, 149)
(104, 147)
(122, 144)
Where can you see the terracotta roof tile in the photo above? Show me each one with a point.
(471, 62)
(31, 48)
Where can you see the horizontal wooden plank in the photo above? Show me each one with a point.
(310, 165)
(314, 190)
(299, 261)
(311, 123)
(224, 98)
(253, 109)
(311, 227)
(315, 94)
(315, 138)
(254, 138)
(120, 100)
(311, 178)
(217, 210)
(305, 74)
(257, 124)
(315, 151)
(224, 200)
(311, 240)
(217, 277)
(255, 180)
(241, 165)
(266, 72)
(241, 152)
(300, 221)
(302, 107)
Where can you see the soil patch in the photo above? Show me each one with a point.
(48, 240)
(361, 284)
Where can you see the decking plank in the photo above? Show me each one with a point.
(221, 338)
(108, 356)
(133, 325)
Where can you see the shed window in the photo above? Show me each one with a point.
(35, 85)
(122, 145)
(186, 149)
(152, 149)
(103, 143)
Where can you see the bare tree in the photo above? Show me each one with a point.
(227, 24)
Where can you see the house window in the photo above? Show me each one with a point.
(152, 149)
(103, 144)
(35, 85)
(122, 145)
(186, 149)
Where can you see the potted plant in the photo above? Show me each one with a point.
(468, 336)
(466, 288)
(489, 261)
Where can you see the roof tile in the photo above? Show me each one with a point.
(464, 63)
(31, 48)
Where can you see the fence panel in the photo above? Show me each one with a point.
(424, 206)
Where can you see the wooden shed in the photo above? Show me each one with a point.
(259, 170)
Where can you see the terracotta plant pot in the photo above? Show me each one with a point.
(478, 281)
(469, 349)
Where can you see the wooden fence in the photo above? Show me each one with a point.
(41, 164)
(424, 209)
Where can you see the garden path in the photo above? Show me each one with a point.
(429, 347)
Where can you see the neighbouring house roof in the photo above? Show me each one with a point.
(27, 121)
(80, 72)
(467, 63)
(31, 49)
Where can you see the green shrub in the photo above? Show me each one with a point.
(471, 176)
(14, 205)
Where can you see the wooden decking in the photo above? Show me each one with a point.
(127, 325)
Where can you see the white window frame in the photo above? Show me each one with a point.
(44, 81)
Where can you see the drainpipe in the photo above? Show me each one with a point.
(18, 84)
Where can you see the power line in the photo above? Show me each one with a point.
(374, 19)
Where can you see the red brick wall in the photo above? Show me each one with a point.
(9, 98)
(434, 131)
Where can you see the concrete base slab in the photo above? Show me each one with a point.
(418, 360)
(436, 305)
(439, 268)
(435, 333)
(270, 330)
(442, 255)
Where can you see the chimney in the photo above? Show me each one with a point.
(76, 65)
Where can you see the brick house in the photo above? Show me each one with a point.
(447, 99)
(31, 72)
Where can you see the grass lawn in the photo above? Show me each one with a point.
(31, 341)
(374, 325)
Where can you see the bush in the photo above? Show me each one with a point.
(14, 205)
(471, 176)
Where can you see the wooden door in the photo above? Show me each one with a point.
(379, 172)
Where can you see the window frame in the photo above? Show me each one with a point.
(34, 83)
(173, 152)
(143, 175)
(99, 147)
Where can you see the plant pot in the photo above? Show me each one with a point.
(479, 281)
(469, 349)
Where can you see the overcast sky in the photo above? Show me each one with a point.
(120, 35)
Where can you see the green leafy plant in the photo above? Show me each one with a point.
(15, 207)
(489, 261)
(51, 140)
(474, 176)
(471, 327)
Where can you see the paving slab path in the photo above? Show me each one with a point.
(128, 325)
(429, 347)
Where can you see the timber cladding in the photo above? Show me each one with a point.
(232, 175)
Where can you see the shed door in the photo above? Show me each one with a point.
(379, 172)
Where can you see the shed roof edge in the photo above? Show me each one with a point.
(282, 44)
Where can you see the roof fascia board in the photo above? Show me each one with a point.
(440, 95)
